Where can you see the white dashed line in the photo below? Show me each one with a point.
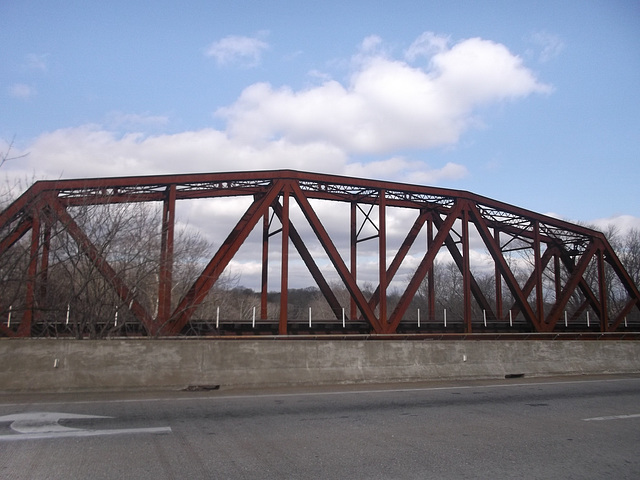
(612, 417)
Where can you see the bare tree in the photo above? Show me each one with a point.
(629, 253)
(7, 156)
(73, 295)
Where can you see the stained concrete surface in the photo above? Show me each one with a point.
(50, 365)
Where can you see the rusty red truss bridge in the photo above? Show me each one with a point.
(573, 271)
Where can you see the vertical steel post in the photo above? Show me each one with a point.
(264, 288)
(284, 271)
(165, 285)
(24, 330)
(602, 284)
(353, 311)
(382, 257)
(44, 261)
(498, 278)
(558, 276)
(538, 273)
(466, 270)
(431, 282)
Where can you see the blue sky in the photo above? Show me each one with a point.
(534, 103)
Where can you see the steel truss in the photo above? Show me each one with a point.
(561, 253)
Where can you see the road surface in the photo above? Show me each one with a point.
(570, 428)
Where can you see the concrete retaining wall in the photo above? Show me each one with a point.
(64, 365)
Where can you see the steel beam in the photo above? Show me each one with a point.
(336, 260)
(310, 263)
(603, 312)
(401, 254)
(125, 294)
(353, 255)
(24, 330)
(573, 282)
(201, 287)
(431, 282)
(382, 257)
(531, 281)
(425, 265)
(498, 280)
(500, 226)
(537, 269)
(466, 271)
(284, 268)
(459, 259)
(505, 271)
(16, 234)
(165, 276)
(264, 280)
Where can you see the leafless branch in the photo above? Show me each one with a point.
(6, 156)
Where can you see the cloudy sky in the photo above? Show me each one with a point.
(534, 103)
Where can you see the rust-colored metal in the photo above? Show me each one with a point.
(166, 256)
(431, 292)
(466, 272)
(201, 287)
(126, 294)
(25, 325)
(312, 266)
(353, 254)
(571, 270)
(284, 270)
(382, 258)
(264, 278)
(498, 280)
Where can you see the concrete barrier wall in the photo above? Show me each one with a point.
(64, 365)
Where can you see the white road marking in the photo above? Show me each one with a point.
(41, 422)
(612, 417)
(44, 425)
(82, 433)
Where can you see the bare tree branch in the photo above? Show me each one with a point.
(6, 156)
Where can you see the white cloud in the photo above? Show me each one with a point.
(93, 151)
(353, 128)
(403, 170)
(135, 121)
(619, 224)
(426, 45)
(238, 49)
(622, 224)
(477, 71)
(35, 61)
(550, 45)
(370, 44)
(387, 105)
(22, 91)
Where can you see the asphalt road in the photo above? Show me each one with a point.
(506, 429)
